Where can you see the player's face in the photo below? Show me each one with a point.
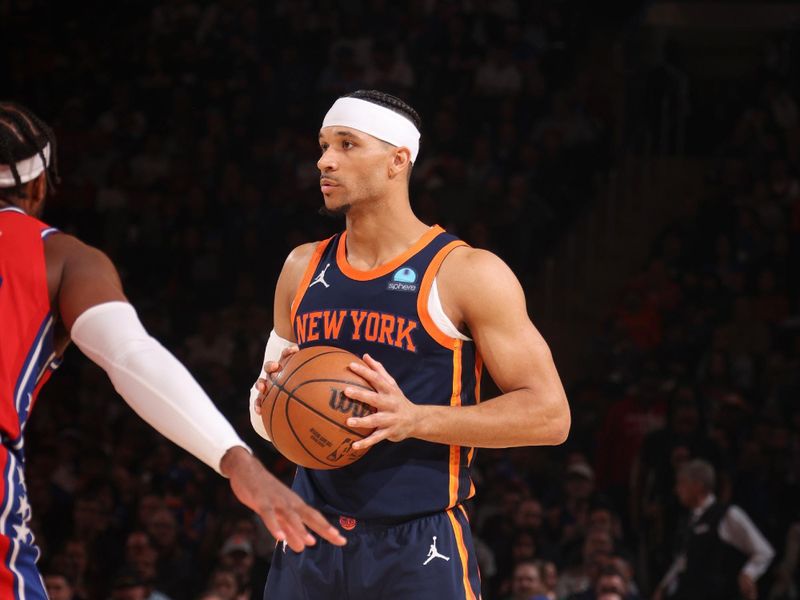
(353, 166)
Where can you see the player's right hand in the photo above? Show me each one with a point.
(270, 368)
(283, 512)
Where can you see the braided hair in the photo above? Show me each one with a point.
(391, 102)
(23, 135)
(388, 101)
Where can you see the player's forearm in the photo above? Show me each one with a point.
(519, 418)
(153, 382)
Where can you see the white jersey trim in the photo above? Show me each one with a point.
(440, 318)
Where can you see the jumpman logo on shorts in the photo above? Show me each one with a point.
(434, 553)
(321, 278)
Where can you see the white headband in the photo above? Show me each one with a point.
(378, 121)
(28, 169)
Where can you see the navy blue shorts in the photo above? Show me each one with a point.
(430, 558)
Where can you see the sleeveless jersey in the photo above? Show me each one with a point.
(384, 312)
(27, 358)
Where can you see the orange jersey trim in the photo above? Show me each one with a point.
(386, 268)
(425, 291)
(455, 400)
(309, 273)
(458, 532)
(471, 453)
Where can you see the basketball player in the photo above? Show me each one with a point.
(426, 311)
(53, 288)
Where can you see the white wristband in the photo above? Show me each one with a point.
(275, 347)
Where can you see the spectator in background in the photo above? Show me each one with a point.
(627, 422)
(72, 560)
(579, 487)
(497, 75)
(237, 556)
(655, 511)
(127, 585)
(58, 585)
(142, 557)
(526, 582)
(612, 584)
(549, 575)
(596, 552)
(175, 574)
(388, 71)
(224, 584)
(723, 553)
(787, 574)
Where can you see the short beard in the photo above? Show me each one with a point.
(334, 213)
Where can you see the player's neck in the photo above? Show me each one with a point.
(4, 204)
(376, 236)
(26, 206)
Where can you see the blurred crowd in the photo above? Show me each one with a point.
(187, 132)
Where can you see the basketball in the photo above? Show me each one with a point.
(305, 410)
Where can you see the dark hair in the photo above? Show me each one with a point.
(392, 102)
(23, 135)
(58, 572)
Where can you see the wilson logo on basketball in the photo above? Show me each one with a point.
(347, 523)
(343, 404)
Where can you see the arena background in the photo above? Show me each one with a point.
(636, 163)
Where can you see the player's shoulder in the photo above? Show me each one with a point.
(471, 277)
(473, 267)
(296, 264)
(300, 256)
(68, 247)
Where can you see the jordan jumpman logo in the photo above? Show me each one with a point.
(321, 277)
(434, 553)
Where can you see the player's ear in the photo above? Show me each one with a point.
(401, 161)
(39, 187)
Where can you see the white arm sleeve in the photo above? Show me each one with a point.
(153, 382)
(275, 346)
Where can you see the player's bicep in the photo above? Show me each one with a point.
(88, 278)
(514, 352)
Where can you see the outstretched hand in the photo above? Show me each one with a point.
(396, 417)
(284, 513)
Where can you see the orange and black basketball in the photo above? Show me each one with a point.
(305, 410)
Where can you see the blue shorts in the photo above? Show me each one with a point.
(429, 558)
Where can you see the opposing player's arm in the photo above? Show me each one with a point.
(80, 276)
(88, 295)
(479, 290)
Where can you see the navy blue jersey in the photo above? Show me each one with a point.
(384, 312)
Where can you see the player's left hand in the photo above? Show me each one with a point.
(396, 416)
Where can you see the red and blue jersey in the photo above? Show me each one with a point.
(27, 358)
(384, 312)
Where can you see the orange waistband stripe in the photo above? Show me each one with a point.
(462, 554)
